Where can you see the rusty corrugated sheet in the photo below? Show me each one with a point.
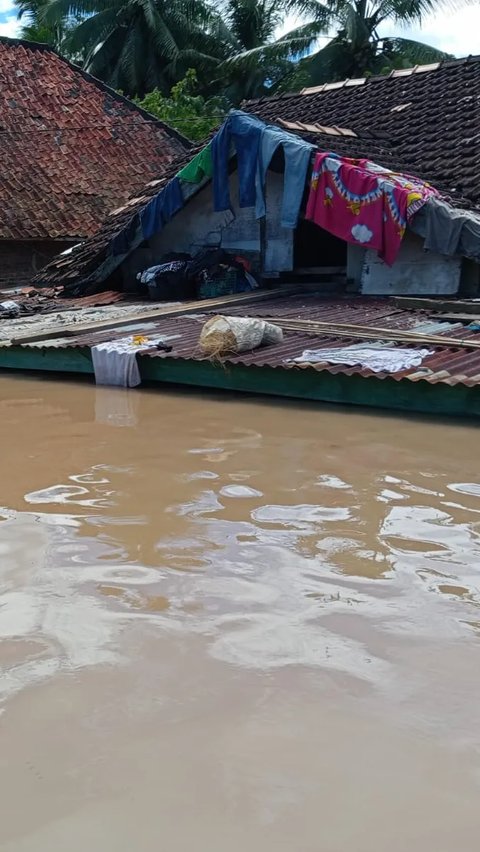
(449, 366)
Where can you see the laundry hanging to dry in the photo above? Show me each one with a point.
(363, 203)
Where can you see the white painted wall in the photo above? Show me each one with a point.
(415, 272)
(197, 225)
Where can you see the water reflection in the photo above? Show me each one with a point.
(272, 537)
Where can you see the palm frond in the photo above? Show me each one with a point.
(60, 10)
(92, 31)
(312, 10)
(158, 29)
(413, 11)
(266, 55)
(412, 52)
(311, 30)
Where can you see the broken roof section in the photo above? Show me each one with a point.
(427, 116)
(71, 148)
(87, 259)
(93, 260)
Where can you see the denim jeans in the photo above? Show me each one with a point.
(243, 132)
(161, 208)
(297, 155)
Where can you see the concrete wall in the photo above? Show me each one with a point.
(415, 272)
(197, 226)
(279, 241)
(355, 261)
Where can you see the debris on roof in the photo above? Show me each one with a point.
(451, 363)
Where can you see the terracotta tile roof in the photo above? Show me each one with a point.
(84, 260)
(428, 117)
(71, 148)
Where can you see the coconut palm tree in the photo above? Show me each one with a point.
(358, 48)
(256, 59)
(134, 45)
(34, 28)
(141, 45)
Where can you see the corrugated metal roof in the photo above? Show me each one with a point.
(447, 365)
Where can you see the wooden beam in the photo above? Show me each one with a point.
(206, 305)
(319, 270)
(454, 306)
(463, 318)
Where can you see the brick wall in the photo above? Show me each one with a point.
(20, 261)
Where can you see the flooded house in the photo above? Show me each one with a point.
(317, 212)
(419, 122)
(72, 149)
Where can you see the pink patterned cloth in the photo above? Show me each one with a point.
(362, 203)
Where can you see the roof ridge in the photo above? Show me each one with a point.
(41, 46)
(397, 72)
(352, 81)
(23, 42)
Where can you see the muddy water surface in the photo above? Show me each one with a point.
(232, 624)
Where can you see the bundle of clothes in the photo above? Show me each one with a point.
(211, 273)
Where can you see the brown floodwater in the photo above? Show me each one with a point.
(231, 624)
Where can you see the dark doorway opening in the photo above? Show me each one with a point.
(315, 248)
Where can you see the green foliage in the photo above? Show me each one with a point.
(357, 49)
(55, 33)
(187, 112)
(135, 45)
(256, 61)
(145, 47)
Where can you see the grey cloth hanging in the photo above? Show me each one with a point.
(448, 230)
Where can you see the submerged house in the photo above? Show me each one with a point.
(71, 149)
(421, 122)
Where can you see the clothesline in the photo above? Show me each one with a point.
(356, 200)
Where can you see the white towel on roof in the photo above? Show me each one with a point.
(115, 362)
(378, 358)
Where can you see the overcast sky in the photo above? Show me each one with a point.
(454, 32)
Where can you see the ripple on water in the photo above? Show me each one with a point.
(66, 494)
(239, 491)
(203, 504)
(330, 481)
(200, 474)
(262, 584)
(300, 514)
(470, 488)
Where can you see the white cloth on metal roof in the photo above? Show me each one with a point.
(378, 358)
(115, 362)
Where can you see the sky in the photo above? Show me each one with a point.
(454, 32)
